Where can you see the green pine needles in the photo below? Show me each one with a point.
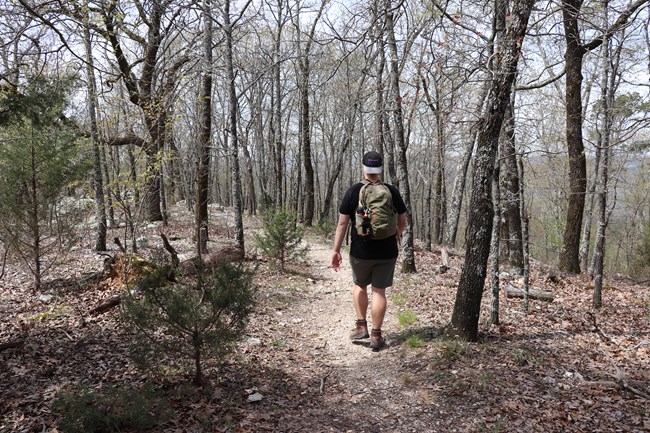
(281, 237)
(196, 318)
(42, 158)
(110, 409)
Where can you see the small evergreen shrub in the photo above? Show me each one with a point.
(109, 410)
(193, 318)
(281, 237)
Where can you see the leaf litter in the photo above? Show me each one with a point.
(563, 367)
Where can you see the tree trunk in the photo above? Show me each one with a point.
(586, 229)
(276, 124)
(98, 181)
(251, 199)
(205, 135)
(338, 165)
(107, 183)
(510, 198)
(458, 189)
(34, 221)
(465, 318)
(573, 57)
(494, 248)
(233, 108)
(524, 231)
(609, 85)
(304, 67)
(408, 262)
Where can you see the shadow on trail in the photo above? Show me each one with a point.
(425, 333)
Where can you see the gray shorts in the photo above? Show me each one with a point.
(378, 272)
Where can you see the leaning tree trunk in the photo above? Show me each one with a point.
(458, 187)
(338, 165)
(408, 262)
(465, 318)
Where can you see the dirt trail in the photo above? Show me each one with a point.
(362, 390)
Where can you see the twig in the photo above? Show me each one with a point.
(67, 335)
(119, 244)
(322, 381)
(81, 315)
(597, 330)
(172, 252)
(624, 383)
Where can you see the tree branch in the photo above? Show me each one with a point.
(541, 84)
(126, 140)
(459, 24)
(621, 22)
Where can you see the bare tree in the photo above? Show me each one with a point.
(408, 262)
(304, 71)
(205, 134)
(98, 180)
(465, 318)
(574, 56)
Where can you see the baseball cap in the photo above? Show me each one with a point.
(372, 163)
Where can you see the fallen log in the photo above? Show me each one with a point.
(11, 345)
(108, 304)
(124, 270)
(540, 295)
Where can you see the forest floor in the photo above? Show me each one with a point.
(563, 367)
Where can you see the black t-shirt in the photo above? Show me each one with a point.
(364, 248)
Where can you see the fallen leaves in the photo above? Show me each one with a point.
(559, 368)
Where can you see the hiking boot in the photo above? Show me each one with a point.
(360, 330)
(376, 340)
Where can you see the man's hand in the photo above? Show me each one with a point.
(336, 260)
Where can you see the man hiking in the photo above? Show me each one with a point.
(378, 215)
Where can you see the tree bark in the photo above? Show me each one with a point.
(465, 318)
(408, 262)
(510, 198)
(609, 85)
(458, 189)
(276, 123)
(494, 248)
(205, 135)
(304, 67)
(98, 181)
(573, 57)
(233, 108)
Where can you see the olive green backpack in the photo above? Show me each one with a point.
(376, 216)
